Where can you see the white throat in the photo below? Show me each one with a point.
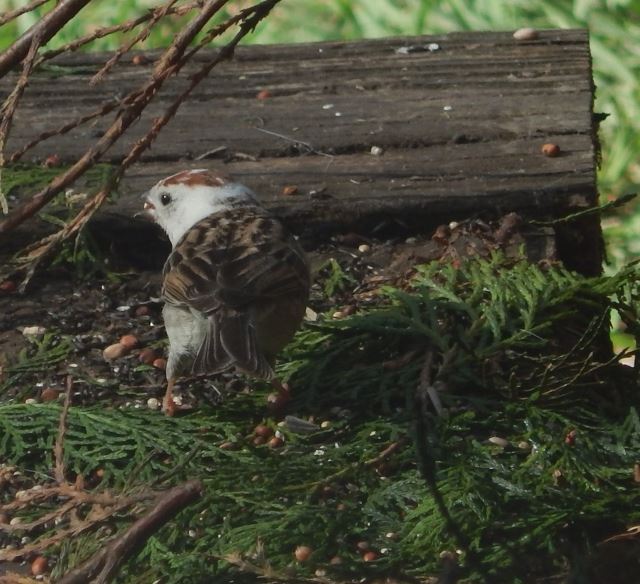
(199, 202)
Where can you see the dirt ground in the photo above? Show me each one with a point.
(62, 325)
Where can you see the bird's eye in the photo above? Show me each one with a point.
(165, 198)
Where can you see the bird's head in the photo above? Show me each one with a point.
(178, 202)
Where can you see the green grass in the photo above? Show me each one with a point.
(615, 38)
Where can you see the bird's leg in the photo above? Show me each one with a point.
(168, 405)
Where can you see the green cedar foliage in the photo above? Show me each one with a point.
(518, 352)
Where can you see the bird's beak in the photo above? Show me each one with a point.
(148, 210)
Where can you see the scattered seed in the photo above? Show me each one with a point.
(8, 286)
(325, 424)
(327, 106)
(524, 445)
(377, 151)
(259, 440)
(50, 161)
(153, 403)
(263, 430)
(228, 445)
(139, 60)
(363, 546)
(441, 234)
(335, 560)
(263, 94)
(303, 553)
(275, 442)
(114, 351)
(160, 363)
(369, 556)
(147, 356)
(33, 331)
(525, 34)
(289, 191)
(129, 341)
(499, 441)
(39, 566)
(364, 248)
(411, 240)
(570, 438)
(550, 150)
(453, 225)
(15, 521)
(30, 401)
(48, 394)
(142, 310)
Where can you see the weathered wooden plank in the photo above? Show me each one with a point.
(461, 126)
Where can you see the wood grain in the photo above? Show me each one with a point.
(461, 127)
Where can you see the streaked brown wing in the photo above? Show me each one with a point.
(225, 266)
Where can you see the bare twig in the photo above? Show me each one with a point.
(103, 565)
(48, 26)
(104, 31)
(98, 514)
(157, 15)
(171, 61)
(62, 428)
(9, 108)
(135, 103)
(103, 110)
(13, 14)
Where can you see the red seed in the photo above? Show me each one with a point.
(550, 150)
(369, 556)
(8, 286)
(160, 363)
(147, 356)
(259, 440)
(129, 341)
(570, 438)
(290, 190)
(277, 401)
(48, 394)
(275, 442)
(50, 161)
(142, 311)
(262, 430)
(303, 553)
(39, 566)
(263, 94)
(139, 60)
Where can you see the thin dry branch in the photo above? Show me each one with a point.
(9, 107)
(133, 105)
(250, 18)
(46, 28)
(103, 565)
(104, 31)
(157, 15)
(13, 14)
(170, 63)
(58, 449)
(103, 110)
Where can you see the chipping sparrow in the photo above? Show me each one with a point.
(236, 283)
